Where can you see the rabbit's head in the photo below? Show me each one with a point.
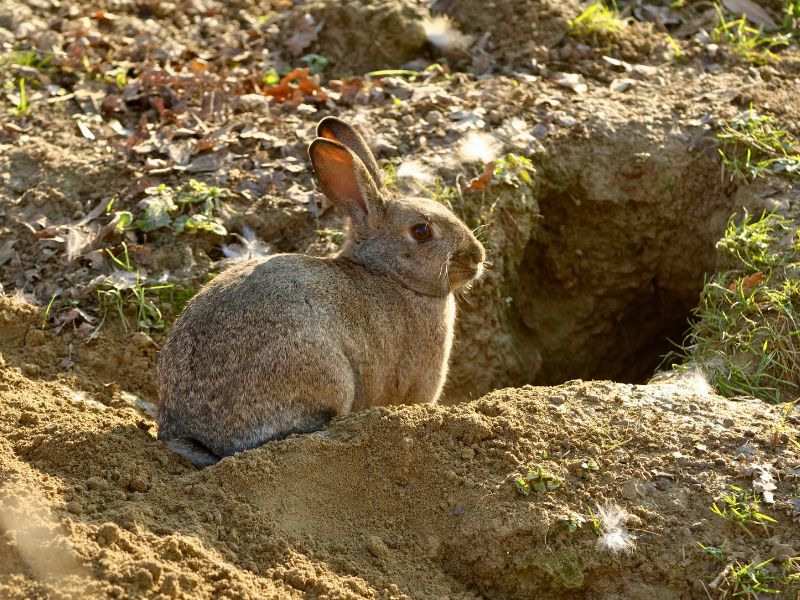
(418, 242)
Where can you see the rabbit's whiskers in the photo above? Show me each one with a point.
(445, 270)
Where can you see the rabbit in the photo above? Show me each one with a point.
(282, 344)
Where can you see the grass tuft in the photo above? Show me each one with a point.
(742, 509)
(596, 19)
(537, 480)
(791, 17)
(745, 333)
(745, 41)
(752, 145)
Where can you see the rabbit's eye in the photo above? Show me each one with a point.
(422, 232)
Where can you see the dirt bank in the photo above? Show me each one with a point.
(415, 502)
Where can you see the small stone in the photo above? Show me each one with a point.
(377, 547)
(632, 490)
(663, 484)
(28, 418)
(107, 534)
(97, 483)
(138, 484)
(30, 369)
(170, 587)
(35, 337)
(74, 507)
(253, 102)
(728, 422)
(557, 399)
(566, 121)
(141, 340)
(434, 117)
(783, 552)
(143, 579)
(540, 131)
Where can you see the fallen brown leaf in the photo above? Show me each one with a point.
(482, 181)
(748, 283)
(305, 34)
(297, 86)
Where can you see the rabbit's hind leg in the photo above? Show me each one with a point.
(271, 431)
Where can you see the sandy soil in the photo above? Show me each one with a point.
(413, 502)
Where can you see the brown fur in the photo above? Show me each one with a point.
(281, 345)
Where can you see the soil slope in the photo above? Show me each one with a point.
(409, 502)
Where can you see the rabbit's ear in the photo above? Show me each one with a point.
(337, 130)
(343, 177)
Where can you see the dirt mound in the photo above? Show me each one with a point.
(416, 502)
(516, 31)
(364, 36)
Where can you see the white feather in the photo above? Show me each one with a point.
(442, 33)
(614, 537)
(478, 146)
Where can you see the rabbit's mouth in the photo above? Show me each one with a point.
(461, 273)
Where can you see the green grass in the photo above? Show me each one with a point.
(791, 17)
(572, 522)
(753, 145)
(596, 19)
(745, 333)
(746, 42)
(750, 580)
(537, 480)
(132, 296)
(46, 318)
(753, 580)
(191, 206)
(742, 509)
(23, 108)
(19, 83)
(140, 302)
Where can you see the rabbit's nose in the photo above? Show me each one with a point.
(474, 254)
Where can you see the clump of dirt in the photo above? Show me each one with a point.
(401, 502)
(515, 32)
(364, 36)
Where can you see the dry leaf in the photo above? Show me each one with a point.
(574, 81)
(481, 182)
(87, 133)
(208, 162)
(623, 84)
(198, 66)
(305, 34)
(615, 62)
(297, 86)
(748, 283)
(105, 17)
(751, 11)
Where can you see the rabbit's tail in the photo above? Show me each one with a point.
(193, 451)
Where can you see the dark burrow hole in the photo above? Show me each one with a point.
(608, 283)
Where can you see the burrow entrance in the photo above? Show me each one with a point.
(607, 279)
(604, 287)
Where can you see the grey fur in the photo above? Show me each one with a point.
(280, 345)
